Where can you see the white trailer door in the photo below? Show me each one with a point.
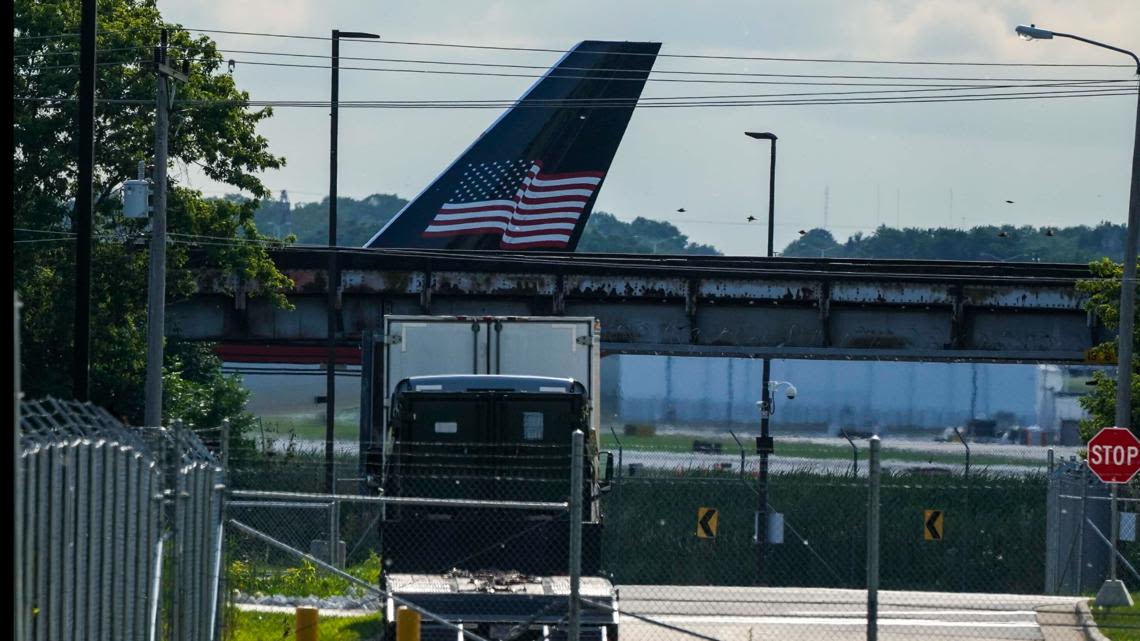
(548, 347)
(430, 346)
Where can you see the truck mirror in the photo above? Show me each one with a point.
(608, 477)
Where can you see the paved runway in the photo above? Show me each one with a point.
(806, 614)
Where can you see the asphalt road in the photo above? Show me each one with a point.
(671, 612)
(810, 614)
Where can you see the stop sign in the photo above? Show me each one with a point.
(1114, 455)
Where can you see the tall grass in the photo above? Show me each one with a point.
(994, 535)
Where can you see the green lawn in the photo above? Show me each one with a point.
(310, 427)
(1119, 624)
(841, 450)
(272, 626)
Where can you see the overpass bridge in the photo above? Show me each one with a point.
(839, 309)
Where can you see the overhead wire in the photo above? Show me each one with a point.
(865, 61)
(802, 99)
(618, 70)
(662, 55)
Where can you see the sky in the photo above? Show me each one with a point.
(847, 168)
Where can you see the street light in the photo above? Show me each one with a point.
(1127, 285)
(771, 184)
(764, 445)
(333, 275)
(1113, 591)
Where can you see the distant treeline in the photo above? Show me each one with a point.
(1080, 244)
(359, 220)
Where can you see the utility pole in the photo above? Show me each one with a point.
(82, 218)
(333, 278)
(333, 271)
(156, 291)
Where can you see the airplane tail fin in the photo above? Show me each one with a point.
(531, 179)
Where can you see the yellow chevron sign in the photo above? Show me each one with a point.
(706, 522)
(932, 523)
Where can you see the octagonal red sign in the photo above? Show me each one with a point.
(1114, 455)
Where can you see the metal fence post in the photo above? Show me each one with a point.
(1084, 480)
(225, 444)
(576, 492)
(334, 534)
(873, 542)
(18, 622)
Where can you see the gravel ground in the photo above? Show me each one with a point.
(359, 601)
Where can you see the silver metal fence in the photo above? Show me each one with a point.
(1078, 546)
(959, 554)
(120, 528)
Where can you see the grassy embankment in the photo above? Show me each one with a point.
(1119, 624)
(804, 449)
(311, 427)
(993, 538)
(273, 626)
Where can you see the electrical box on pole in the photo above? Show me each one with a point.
(136, 195)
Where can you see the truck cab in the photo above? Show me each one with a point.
(500, 438)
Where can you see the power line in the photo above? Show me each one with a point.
(819, 98)
(826, 79)
(553, 74)
(47, 36)
(666, 55)
(629, 71)
(75, 52)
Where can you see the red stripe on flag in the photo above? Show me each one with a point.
(522, 233)
(527, 200)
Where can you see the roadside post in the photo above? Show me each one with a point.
(577, 444)
(306, 624)
(1114, 457)
(873, 542)
(407, 624)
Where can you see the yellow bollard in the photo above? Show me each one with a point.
(307, 624)
(407, 625)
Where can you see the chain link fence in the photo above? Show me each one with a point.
(967, 542)
(120, 528)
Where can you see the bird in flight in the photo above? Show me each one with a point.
(802, 232)
(751, 218)
(1009, 201)
(681, 210)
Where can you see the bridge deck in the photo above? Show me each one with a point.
(692, 305)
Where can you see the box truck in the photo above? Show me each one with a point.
(482, 409)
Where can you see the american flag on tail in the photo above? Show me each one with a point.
(515, 199)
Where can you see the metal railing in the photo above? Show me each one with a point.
(117, 525)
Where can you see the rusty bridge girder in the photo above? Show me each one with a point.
(701, 306)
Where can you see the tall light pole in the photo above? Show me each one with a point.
(82, 218)
(1113, 592)
(764, 445)
(333, 274)
(1128, 283)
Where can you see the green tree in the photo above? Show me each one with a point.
(1104, 301)
(605, 233)
(816, 243)
(1079, 244)
(210, 129)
